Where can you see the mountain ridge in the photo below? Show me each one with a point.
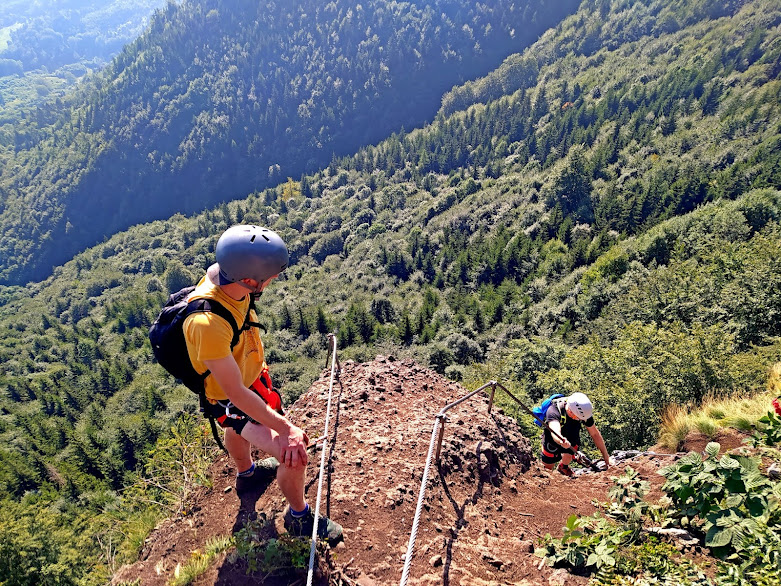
(212, 102)
(486, 505)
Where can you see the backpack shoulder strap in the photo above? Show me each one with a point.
(248, 323)
(562, 414)
(212, 306)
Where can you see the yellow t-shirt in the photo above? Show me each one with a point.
(209, 337)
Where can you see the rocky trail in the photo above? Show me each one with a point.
(487, 503)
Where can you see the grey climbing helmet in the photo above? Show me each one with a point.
(250, 252)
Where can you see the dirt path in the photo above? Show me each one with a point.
(486, 505)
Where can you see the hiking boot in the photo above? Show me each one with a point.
(565, 470)
(302, 526)
(265, 471)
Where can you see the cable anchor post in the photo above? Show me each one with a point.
(491, 399)
(332, 349)
(441, 418)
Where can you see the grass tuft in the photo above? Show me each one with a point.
(737, 412)
(200, 561)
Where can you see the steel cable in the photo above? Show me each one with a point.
(313, 547)
(435, 441)
(421, 494)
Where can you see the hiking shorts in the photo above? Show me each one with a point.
(551, 451)
(228, 415)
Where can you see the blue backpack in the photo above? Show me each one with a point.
(540, 410)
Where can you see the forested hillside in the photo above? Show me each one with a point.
(222, 97)
(47, 47)
(52, 35)
(606, 220)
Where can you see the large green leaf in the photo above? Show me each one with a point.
(733, 501)
(718, 537)
(712, 449)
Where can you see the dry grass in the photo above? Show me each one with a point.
(199, 561)
(735, 412)
(774, 380)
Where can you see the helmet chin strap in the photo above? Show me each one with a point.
(253, 291)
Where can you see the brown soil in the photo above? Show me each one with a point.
(487, 503)
(728, 439)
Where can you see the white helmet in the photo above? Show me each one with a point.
(580, 405)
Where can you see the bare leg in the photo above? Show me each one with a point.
(565, 461)
(291, 480)
(239, 450)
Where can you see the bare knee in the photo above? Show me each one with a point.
(234, 442)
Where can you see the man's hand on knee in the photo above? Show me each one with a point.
(293, 447)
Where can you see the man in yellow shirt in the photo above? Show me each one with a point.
(249, 258)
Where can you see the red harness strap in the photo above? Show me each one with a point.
(263, 387)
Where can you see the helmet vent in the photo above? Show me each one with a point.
(266, 237)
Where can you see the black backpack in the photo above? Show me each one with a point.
(170, 347)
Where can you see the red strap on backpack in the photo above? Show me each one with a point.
(263, 387)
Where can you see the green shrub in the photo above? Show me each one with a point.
(644, 370)
(619, 553)
(735, 507)
(262, 550)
